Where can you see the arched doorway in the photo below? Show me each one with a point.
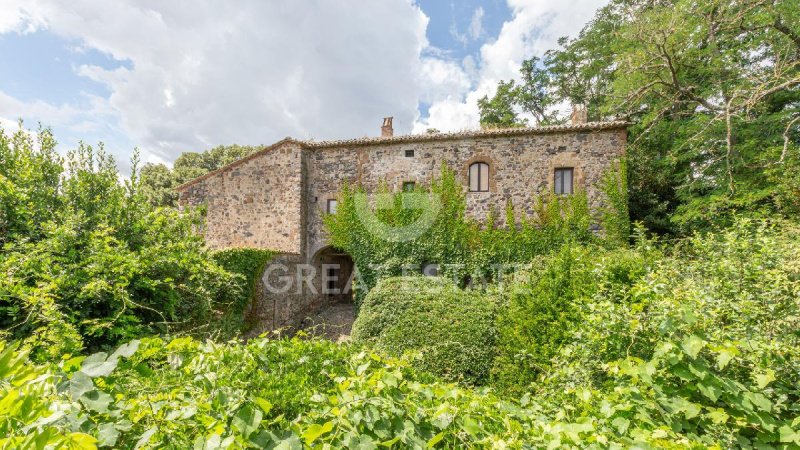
(334, 276)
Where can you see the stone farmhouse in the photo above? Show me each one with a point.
(276, 198)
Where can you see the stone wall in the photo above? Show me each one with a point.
(276, 198)
(255, 202)
(280, 301)
(520, 168)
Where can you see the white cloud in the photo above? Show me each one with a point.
(8, 125)
(209, 73)
(440, 79)
(474, 29)
(67, 116)
(476, 24)
(14, 18)
(535, 27)
(202, 74)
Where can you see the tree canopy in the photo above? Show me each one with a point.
(159, 181)
(711, 88)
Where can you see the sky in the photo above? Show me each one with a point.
(188, 75)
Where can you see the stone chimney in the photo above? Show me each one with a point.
(386, 128)
(579, 114)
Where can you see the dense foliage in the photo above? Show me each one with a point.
(712, 89)
(86, 262)
(702, 346)
(249, 263)
(696, 348)
(450, 330)
(543, 307)
(542, 330)
(434, 231)
(159, 181)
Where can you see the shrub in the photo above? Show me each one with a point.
(158, 394)
(704, 347)
(451, 329)
(86, 262)
(266, 394)
(543, 307)
(697, 347)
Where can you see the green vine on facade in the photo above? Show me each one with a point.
(462, 249)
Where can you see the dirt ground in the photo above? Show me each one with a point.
(332, 322)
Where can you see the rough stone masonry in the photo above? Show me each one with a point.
(276, 198)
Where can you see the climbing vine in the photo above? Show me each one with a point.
(448, 242)
(248, 264)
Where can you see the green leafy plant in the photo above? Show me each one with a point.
(462, 249)
(702, 348)
(543, 308)
(249, 263)
(451, 330)
(88, 263)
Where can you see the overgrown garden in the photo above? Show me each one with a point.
(88, 263)
(548, 326)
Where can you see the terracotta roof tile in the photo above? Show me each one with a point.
(590, 126)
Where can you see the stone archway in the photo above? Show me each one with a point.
(334, 276)
(334, 313)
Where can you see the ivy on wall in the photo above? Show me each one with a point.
(398, 233)
(248, 264)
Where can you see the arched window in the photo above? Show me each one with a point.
(479, 177)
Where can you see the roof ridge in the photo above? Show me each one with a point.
(588, 126)
(230, 165)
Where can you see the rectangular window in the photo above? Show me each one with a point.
(332, 278)
(474, 174)
(409, 153)
(563, 180)
(408, 186)
(331, 208)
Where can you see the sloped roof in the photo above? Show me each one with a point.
(365, 141)
(238, 162)
(590, 126)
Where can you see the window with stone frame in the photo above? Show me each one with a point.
(563, 180)
(408, 186)
(479, 177)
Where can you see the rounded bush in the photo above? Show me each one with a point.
(451, 330)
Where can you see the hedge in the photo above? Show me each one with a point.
(452, 330)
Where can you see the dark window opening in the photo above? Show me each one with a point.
(408, 186)
(332, 204)
(409, 153)
(563, 180)
(332, 279)
(479, 177)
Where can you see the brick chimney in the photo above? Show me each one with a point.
(386, 128)
(579, 114)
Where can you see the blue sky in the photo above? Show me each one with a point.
(183, 75)
(452, 27)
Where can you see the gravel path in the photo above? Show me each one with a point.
(332, 322)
